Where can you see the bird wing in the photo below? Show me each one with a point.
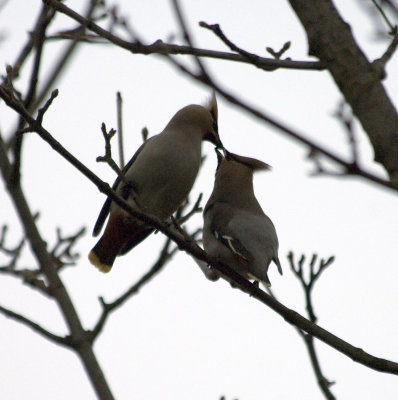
(250, 236)
(107, 205)
(256, 233)
(221, 214)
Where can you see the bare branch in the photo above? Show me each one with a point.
(38, 35)
(159, 47)
(119, 111)
(345, 116)
(78, 338)
(63, 248)
(349, 168)
(108, 152)
(290, 316)
(165, 255)
(196, 208)
(14, 252)
(384, 16)
(46, 106)
(250, 57)
(380, 63)
(314, 274)
(34, 326)
(30, 277)
(363, 90)
(278, 54)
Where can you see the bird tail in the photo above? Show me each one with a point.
(116, 234)
(102, 257)
(264, 279)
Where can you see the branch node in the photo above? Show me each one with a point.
(43, 110)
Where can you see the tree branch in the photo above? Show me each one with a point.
(349, 168)
(250, 57)
(331, 40)
(308, 285)
(34, 326)
(78, 336)
(159, 47)
(290, 316)
(164, 256)
(37, 35)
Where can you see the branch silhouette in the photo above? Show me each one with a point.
(190, 246)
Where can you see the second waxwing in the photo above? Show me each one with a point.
(236, 230)
(157, 180)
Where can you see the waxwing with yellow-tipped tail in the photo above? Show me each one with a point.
(157, 180)
(236, 230)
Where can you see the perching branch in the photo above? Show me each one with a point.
(290, 316)
(164, 257)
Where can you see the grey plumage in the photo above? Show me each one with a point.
(157, 180)
(236, 230)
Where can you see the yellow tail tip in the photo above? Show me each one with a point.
(97, 263)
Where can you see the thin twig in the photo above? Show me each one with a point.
(119, 111)
(159, 47)
(250, 57)
(63, 248)
(108, 152)
(34, 326)
(308, 284)
(350, 168)
(52, 76)
(165, 255)
(38, 35)
(29, 276)
(380, 63)
(384, 16)
(278, 54)
(290, 316)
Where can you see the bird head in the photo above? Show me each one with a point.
(229, 159)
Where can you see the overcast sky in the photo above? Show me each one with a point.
(184, 337)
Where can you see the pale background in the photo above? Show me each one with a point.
(184, 337)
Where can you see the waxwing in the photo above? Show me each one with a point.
(157, 180)
(236, 230)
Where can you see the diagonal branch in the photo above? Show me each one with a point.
(165, 256)
(34, 326)
(289, 315)
(138, 47)
(331, 40)
(159, 47)
(250, 57)
(38, 35)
